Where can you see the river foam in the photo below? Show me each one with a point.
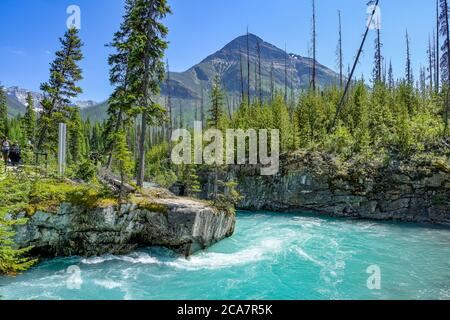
(271, 256)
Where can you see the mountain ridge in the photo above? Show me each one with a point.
(186, 88)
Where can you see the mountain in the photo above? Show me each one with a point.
(186, 87)
(226, 63)
(19, 96)
(17, 100)
(97, 113)
(14, 107)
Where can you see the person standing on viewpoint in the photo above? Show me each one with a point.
(5, 150)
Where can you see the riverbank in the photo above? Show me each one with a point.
(65, 218)
(413, 190)
(270, 256)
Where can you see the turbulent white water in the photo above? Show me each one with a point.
(271, 256)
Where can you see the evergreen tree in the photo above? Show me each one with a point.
(4, 127)
(190, 181)
(228, 198)
(123, 158)
(378, 59)
(391, 81)
(430, 67)
(29, 120)
(75, 136)
(11, 259)
(61, 89)
(408, 70)
(146, 67)
(217, 103)
(122, 104)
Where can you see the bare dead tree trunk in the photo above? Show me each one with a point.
(272, 85)
(256, 81)
(430, 64)
(313, 80)
(202, 108)
(181, 124)
(242, 76)
(248, 68)
(341, 62)
(438, 80)
(259, 73)
(285, 74)
(447, 35)
(169, 108)
(141, 168)
(349, 80)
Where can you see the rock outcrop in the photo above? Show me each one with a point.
(414, 190)
(183, 225)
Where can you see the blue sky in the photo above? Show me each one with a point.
(31, 28)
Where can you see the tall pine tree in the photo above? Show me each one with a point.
(75, 136)
(122, 104)
(61, 89)
(4, 130)
(217, 104)
(29, 120)
(408, 69)
(445, 59)
(147, 69)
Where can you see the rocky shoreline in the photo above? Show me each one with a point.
(183, 225)
(411, 191)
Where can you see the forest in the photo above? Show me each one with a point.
(376, 119)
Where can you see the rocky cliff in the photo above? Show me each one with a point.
(183, 225)
(416, 190)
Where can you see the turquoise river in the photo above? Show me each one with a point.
(271, 256)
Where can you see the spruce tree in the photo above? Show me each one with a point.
(430, 66)
(378, 59)
(4, 127)
(408, 69)
(217, 103)
(60, 89)
(391, 81)
(190, 181)
(122, 104)
(75, 136)
(146, 67)
(123, 159)
(29, 120)
(11, 259)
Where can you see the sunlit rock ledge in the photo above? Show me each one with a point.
(180, 224)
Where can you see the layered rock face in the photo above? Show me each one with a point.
(416, 190)
(183, 225)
